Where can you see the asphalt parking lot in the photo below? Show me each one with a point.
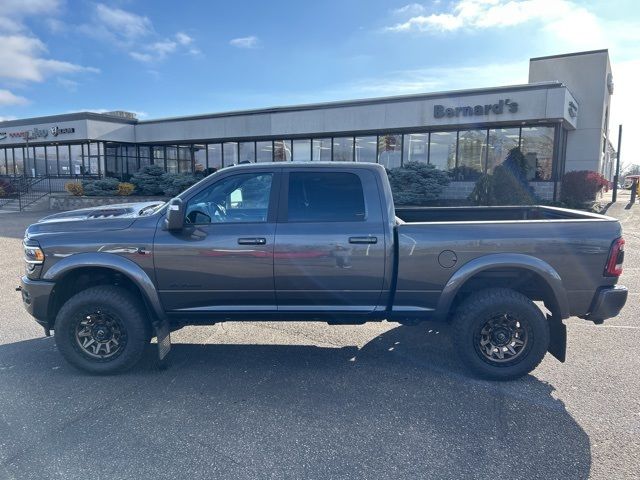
(296, 400)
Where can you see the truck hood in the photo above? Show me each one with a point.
(107, 217)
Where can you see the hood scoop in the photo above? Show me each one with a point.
(110, 212)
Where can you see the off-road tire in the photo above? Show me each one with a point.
(119, 304)
(483, 306)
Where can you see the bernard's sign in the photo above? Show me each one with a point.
(440, 111)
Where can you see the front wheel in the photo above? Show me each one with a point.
(500, 334)
(102, 330)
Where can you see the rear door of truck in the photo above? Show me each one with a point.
(330, 241)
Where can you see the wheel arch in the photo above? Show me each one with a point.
(106, 263)
(546, 278)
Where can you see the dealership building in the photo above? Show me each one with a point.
(559, 119)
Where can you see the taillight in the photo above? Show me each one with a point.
(616, 257)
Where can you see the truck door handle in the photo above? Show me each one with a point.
(252, 241)
(361, 240)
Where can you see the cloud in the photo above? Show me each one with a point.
(410, 9)
(245, 42)
(70, 85)
(438, 79)
(21, 58)
(30, 7)
(7, 99)
(24, 56)
(157, 51)
(625, 105)
(564, 18)
(121, 22)
(135, 35)
(183, 38)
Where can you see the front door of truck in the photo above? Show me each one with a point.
(330, 241)
(222, 260)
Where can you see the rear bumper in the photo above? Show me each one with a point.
(607, 303)
(35, 298)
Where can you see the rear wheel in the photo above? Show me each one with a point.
(103, 329)
(500, 334)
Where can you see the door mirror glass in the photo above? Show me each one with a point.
(175, 215)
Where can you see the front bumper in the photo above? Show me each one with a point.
(35, 297)
(607, 303)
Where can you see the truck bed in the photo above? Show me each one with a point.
(484, 214)
(434, 243)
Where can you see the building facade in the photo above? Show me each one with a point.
(559, 120)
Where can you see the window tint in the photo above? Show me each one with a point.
(325, 197)
(240, 198)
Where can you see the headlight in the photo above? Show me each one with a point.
(33, 255)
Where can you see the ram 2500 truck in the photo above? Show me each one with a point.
(319, 242)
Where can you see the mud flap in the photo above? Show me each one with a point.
(558, 340)
(164, 342)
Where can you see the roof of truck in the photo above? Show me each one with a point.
(302, 165)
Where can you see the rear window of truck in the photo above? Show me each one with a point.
(325, 197)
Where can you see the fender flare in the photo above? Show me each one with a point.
(503, 260)
(113, 262)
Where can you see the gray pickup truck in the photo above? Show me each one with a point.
(319, 242)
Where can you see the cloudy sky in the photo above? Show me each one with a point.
(161, 58)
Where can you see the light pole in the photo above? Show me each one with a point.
(614, 197)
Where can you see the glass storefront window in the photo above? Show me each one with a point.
(366, 149)
(537, 147)
(415, 147)
(52, 160)
(3, 162)
(184, 159)
(29, 161)
(229, 154)
(200, 157)
(76, 159)
(264, 152)
(171, 156)
(282, 151)
(11, 166)
(390, 150)
(144, 154)
(214, 156)
(321, 150)
(63, 160)
(247, 152)
(143, 151)
(501, 141)
(442, 150)
(158, 157)
(472, 151)
(132, 166)
(343, 149)
(302, 150)
(40, 160)
(93, 166)
(18, 158)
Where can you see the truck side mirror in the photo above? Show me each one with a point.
(175, 215)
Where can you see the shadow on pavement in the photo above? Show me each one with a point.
(401, 407)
